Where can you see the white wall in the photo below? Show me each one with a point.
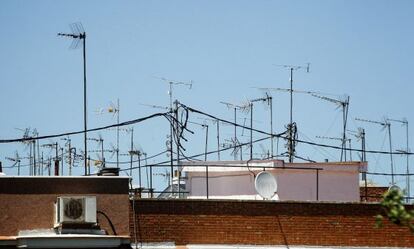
(336, 181)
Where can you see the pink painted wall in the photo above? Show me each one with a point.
(337, 181)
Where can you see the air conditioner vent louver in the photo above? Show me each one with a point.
(73, 208)
(76, 210)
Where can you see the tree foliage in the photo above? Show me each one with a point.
(395, 211)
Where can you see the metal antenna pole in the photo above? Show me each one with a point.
(18, 167)
(291, 145)
(38, 144)
(30, 160)
(291, 118)
(345, 107)
(62, 153)
(387, 125)
(251, 130)
(205, 149)
(344, 104)
(271, 125)
(177, 130)
(117, 136)
(235, 107)
(34, 156)
(131, 152)
(77, 35)
(102, 152)
(57, 159)
(84, 102)
(218, 140)
(364, 156)
(408, 168)
(171, 139)
(267, 99)
(364, 175)
(170, 93)
(205, 159)
(406, 151)
(139, 169)
(235, 129)
(70, 157)
(392, 163)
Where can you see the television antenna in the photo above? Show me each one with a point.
(78, 34)
(203, 126)
(114, 110)
(154, 106)
(265, 185)
(360, 136)
(171, 84)
(385, 125)
(292, 68)
(100, 143)
(243, 108)
(217, 123)
(268, 101)
(404, 122)
(138, 152)
(165, 175)
(236, 145)
(55, 146)
(342, 142)
(29, 141)
(16, 159)
(344, 104)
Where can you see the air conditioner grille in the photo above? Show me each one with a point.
(74, 208)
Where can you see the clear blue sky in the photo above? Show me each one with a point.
(360, 48)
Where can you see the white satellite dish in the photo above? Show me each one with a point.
(395, 188)
(265, 184)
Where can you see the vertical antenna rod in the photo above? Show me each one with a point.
(267, 99)
(344, 104)
(117, 134)
(171, 83)
(406, 151)
(236, 107)
(386, 124)
(78, 34)
(291, 145)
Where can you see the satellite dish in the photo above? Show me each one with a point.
(395, 188)
(265, 185)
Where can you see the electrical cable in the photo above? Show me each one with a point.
(134, 121)
(297, 140)
(169, 117)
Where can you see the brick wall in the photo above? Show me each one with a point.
(374, 194)
(263, 223)
(27, 203)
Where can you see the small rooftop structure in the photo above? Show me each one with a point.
(64, 212)
(321, 181)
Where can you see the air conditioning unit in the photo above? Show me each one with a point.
(75, 210)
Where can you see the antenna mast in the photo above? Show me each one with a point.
(171, 83)
(386, 124)
(345, 106)
(404, 122)
(78, 34)
(291, 149)
(235, 107)
(267, 99)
